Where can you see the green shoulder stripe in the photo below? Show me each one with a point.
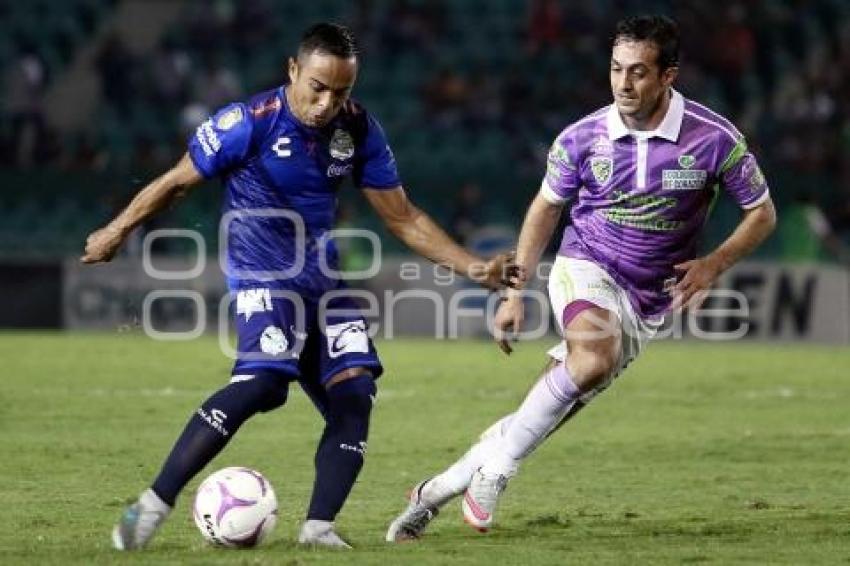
(735, 155)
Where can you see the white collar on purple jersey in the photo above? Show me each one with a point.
(667, 129)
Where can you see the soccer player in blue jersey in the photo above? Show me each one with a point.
(282, 156)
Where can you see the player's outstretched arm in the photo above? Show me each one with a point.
(701, 273)
(416, 229)
(537, 228)
(102, 244)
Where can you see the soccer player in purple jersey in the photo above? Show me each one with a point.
(286, 151)
(639, 176)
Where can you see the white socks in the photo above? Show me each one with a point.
(511, 438)
(456, 478)
(543, 408)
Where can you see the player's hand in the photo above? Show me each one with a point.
(102, 244)
(500, 271)
(508, 321)
(692, 289)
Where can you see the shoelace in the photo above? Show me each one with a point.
(493, 490)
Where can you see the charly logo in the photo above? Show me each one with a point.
(601, 167)
(342, 145)
(281, 147)
(687, 161)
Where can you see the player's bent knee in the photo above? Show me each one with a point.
(590, 368)
(360, 385)
(346, 374)
(265, 390)
(350, 407)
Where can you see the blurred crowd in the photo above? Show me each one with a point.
(520, 70)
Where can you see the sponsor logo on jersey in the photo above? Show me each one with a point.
(687, 161)
(340, 170)
(642, 211)
(601, 167)
(558, 156)
(347, 338)
(208, 139)
(342, 145)
(229, 119)
(683, 179)
(249, 301)
(751, 173)
(558, 160)
(273, 341)
(602, 146)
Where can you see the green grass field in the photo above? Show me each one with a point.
(721, 454)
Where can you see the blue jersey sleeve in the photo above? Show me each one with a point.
(222, 141)
(377, 168)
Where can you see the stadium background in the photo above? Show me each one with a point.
(99, 96)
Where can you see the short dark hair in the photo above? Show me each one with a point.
(328, 38)
(660, 30)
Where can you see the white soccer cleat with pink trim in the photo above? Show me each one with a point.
(480, 499)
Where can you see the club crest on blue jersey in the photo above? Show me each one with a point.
(341, 145)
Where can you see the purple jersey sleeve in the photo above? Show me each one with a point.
(222, 141)
(377, 167)
(562, 180)
(741, 177)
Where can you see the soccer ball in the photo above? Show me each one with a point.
(235, 507)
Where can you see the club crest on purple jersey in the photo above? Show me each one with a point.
(601, 167)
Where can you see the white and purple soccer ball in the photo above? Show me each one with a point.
(235, 507)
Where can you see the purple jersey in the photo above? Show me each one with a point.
(640, 199)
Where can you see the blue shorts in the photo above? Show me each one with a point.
(280, 331)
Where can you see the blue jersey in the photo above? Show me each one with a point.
(281, 180)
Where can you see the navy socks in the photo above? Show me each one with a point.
(212, 427)
(339, 457)
(342, 447)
